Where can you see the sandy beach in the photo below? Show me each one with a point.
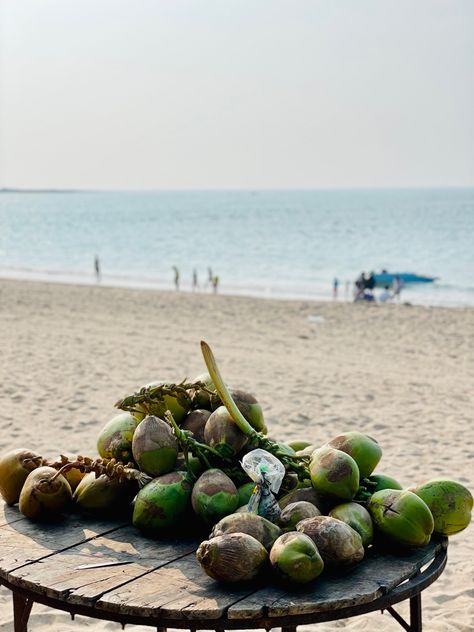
(402, 374)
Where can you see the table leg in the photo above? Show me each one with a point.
(21, 612)
(415, 613)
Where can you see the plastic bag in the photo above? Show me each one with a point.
(268, 473)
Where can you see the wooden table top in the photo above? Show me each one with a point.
(163, 579)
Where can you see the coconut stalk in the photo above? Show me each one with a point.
(156, 394)
(296, 464)
(110, 467)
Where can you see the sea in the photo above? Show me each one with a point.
(272, 244)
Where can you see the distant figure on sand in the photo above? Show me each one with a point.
(215, 283)
(176, 278)
(195, 280)
(386, 295)
(209, 276)
(370, 282)
(97, 268)
(335, 285)
(397, 287)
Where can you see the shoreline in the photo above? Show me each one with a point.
(124, 282)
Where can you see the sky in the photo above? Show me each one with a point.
(201, 94)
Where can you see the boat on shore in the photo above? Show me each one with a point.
(387, 278)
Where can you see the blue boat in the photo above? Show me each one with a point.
(387, 278)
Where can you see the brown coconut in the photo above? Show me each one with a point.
(233, 557)
(195, 422)
(221, 431)
(296, 512)
(338, 544)
(258, 527)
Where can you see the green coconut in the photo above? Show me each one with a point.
(154, 446)
(450, 504)
(163, 503)
(115, 438)
(365, 451)
(298, 445)
(334, 472)
(15, 466)
(233, 557)
(45, 494)
(357, 517)
(296, 512)
(214, 496)
(338, 544)
(258, 527)
(245, 493)
(307, 451)
(382, 481)
(248, 406)
(295, 558)
(178, 405)
(222, 433)
(195, 422)
(201, 398)
(401, 516)
(103, 494)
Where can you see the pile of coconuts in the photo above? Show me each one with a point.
(171, 461)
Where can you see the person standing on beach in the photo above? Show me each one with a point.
(335, 286)
(215, 283)
(195, 280)
(397, 287)
(97, 268)
(176, 278)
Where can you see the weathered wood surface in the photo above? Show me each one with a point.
(367, 581)
(179, 590)
(58, 576)
(23, 541)
(8, 514)
(162, 579)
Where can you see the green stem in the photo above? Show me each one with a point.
(293, 463)
(223, 392)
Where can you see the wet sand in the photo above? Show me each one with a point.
(402, 374)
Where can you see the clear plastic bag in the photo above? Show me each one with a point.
(268, 473)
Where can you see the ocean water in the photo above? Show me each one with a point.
(281, 244)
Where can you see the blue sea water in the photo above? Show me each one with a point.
(282, 244)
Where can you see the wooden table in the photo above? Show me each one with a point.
(160, 583)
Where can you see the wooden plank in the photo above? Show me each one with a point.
(59, 577)
(24, 541)
(180, 590)
(377, 574)
(9, 514)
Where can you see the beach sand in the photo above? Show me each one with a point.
(402, 374)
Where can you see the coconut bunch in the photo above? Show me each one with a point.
(175, 449)
(328, 522)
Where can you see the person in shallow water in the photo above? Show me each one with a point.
(335, 286)
(195, 280)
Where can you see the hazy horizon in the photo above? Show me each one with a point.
(170, 96)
